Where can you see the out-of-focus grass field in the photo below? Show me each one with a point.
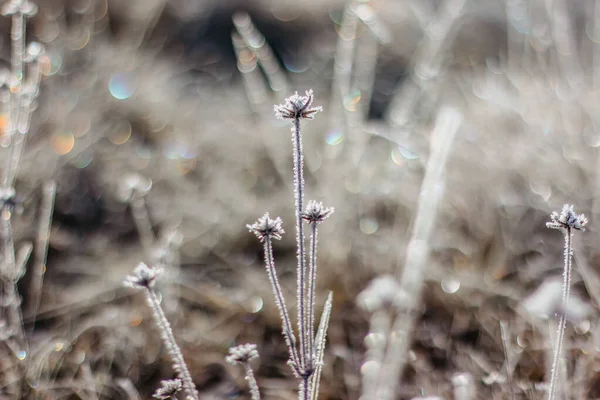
(156, 88)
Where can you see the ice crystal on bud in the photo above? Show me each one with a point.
(242, 354)
(567, 219)
(267, 227)
(168, 389)
(315, 212)
(143, 277)
(297, 107)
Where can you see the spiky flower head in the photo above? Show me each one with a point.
(567, 219)
(296, 107)
(168, 389)
(315, 212)
(267, 227)
(143, 277)
(242, 354)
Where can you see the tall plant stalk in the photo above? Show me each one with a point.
(306, 356)
(566, 222)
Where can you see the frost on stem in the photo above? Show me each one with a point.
(297, 107)
(567, 219)
(566, 222)
(243, 354)
(144, 277)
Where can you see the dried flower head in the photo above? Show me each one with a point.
(143, 277)
(315, 212)
(242, 354)
(567, 219)
(383, 291)
(296, 107)
(168, 389)
(266, 227)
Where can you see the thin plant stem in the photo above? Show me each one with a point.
(173, 349)
(288, 332)
(562, 322)
(299, 194)
(319, 350)
(254, 392)
(312, 272)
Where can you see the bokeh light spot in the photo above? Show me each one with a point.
(351, 100)
(334, 137)
(368, 225)
(120, 132)
(450, 285)
(62, 142)
(121, 86)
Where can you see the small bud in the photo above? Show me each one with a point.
(242, 354)
(143, 277)
(567, 219)
(266, 227)
(296, 107)
(315, 212)
(168, 389)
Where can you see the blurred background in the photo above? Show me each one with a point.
(155, 120)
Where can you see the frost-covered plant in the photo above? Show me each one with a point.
(144, 278)
(566, 222)
(243, 354)
(306, 355)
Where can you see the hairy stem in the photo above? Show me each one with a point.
(254, 392)
(173, 349)
(299, 194)
(288, 332)
(562, 322)
(312, 273)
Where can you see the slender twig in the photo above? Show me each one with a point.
(144, 278)
(566, 222)
(288, 331)
(312, 271)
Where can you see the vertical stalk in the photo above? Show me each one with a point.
(299, 194)
(254, 392)
(288, 332)
(312, 273)
(562, 322)
(179, 364)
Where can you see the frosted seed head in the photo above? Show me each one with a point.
(297, 107)
(567, 219)
(242, 354)
(315, 212)
(143, 277)
(168, 389)
(267, 227)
